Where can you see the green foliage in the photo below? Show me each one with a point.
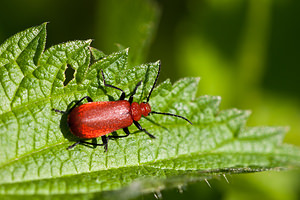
(33, 156)
(130, 23)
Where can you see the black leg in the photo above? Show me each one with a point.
(122, 97)
(60, 111)
(142, 129)
(104, 140)
(73, 145)
(121, 136)
(134, 91)
(89, 99)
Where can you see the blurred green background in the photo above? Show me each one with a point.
(245, 51)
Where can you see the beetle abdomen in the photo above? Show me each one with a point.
(95, 119)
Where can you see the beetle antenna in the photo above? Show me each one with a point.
(172, 115)
(154, 83)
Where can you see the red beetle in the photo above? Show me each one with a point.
(95, 119)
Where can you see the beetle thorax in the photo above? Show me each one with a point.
(137, 110)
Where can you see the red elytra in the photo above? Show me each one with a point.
(97, 119)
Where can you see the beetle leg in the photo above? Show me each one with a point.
(73, 145)
(105, 142)
(134, 91)
(121, 136)
(90, 143)
(142, 129)
(122, 97)
(89, 99)
(60, 111)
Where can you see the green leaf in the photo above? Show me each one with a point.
(34, 162)
(97, 54)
